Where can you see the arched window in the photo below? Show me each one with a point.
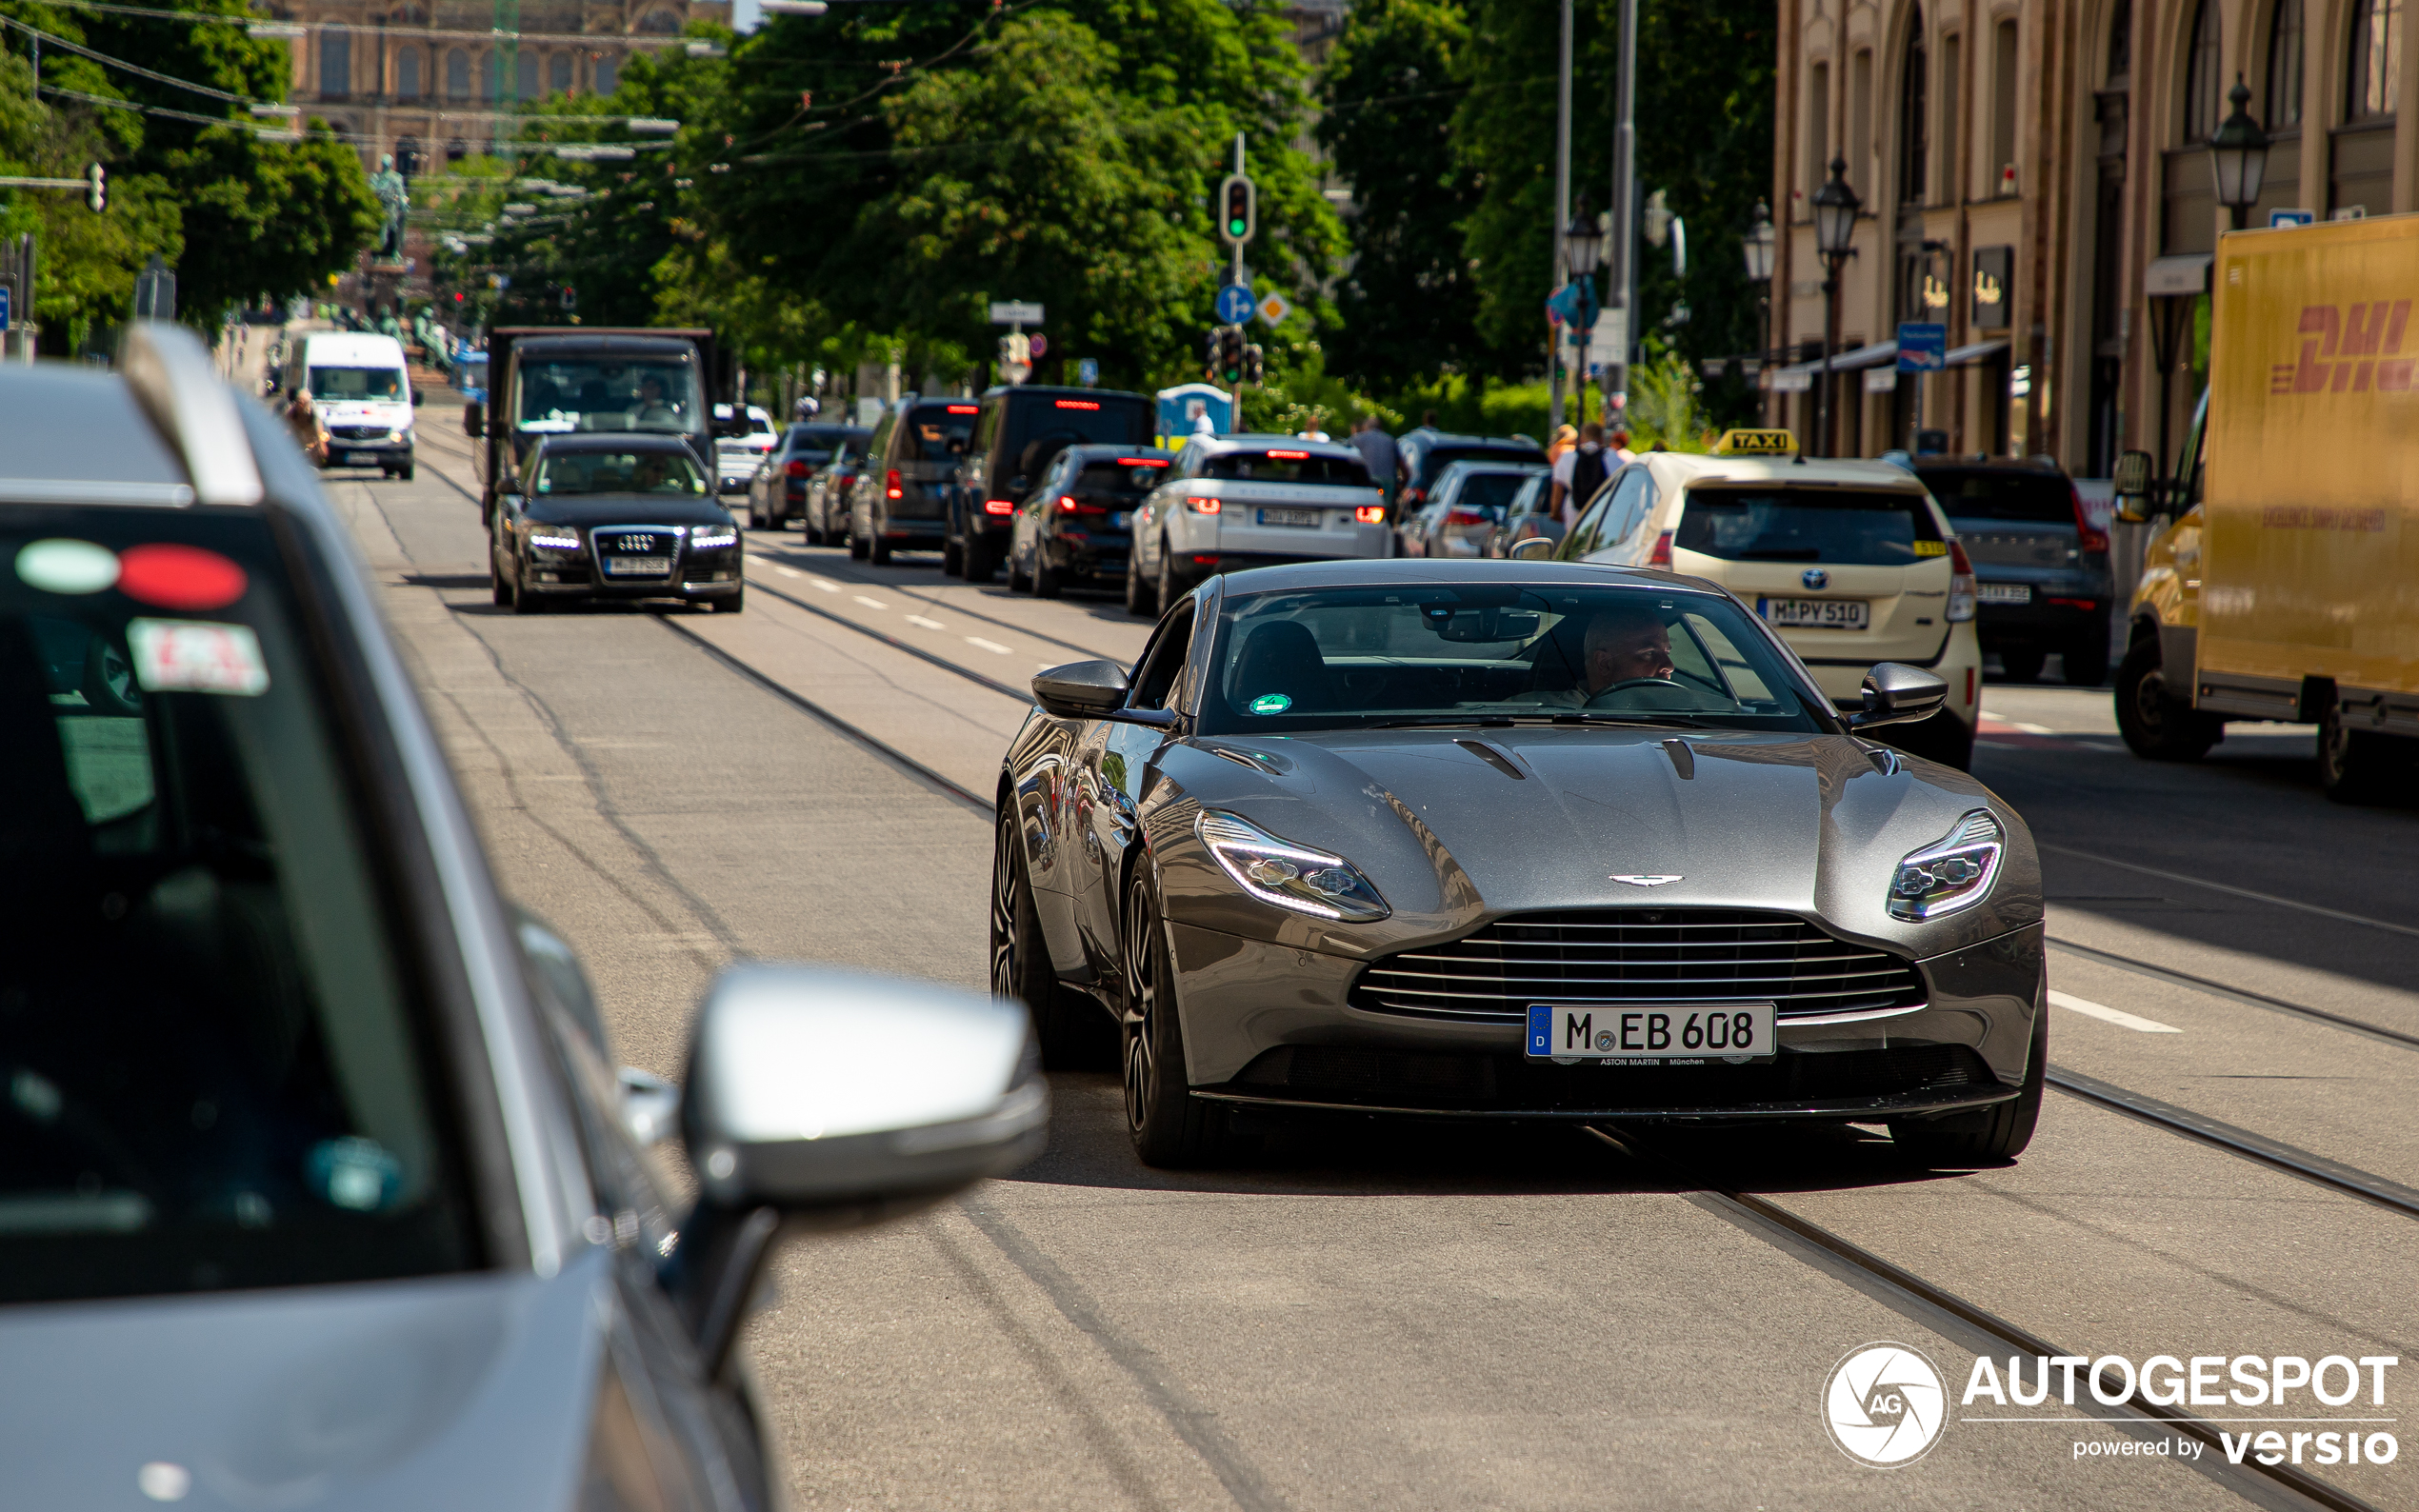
(2283, 100)
(408, 73)
(2204, 76)
(2121, 42)
(1915, 185)
(2376, 60)
(457, 75)
(608, 72)
(524, 77)
(335, 61)
(659, 22)
(487, 76)
(558, 73)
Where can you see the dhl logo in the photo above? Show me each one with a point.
(2353, 353)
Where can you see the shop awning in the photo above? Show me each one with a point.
(1979, 351)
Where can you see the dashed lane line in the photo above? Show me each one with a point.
(988, 646)
(2108, 1015)
(871, 603)
(922, 623)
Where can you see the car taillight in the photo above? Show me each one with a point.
(1415, 496)
(2087, 535)
(1960, 583)
(1370, 514)
(999, 506)
(1200, 505)
(892, 483)
(799, 469)
(1661, 555)
(1067, 504)
(1464, 517)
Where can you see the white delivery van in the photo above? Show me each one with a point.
(358, 382)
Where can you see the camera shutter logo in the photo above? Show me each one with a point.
(1885, 1404)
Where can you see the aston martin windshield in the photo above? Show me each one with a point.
(1342, 657)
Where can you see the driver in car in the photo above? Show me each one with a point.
(1621, 645)
(651, 407)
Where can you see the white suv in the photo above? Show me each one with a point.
(1234, 502)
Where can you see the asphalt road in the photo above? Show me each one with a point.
(1384, 1316)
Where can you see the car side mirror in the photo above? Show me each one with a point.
(824, 1098)
(1081, 690)
(2134, 486)
(474, 419)
(419, 397)
(1896, 694)
(1536, 548)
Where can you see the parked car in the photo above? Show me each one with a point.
(738, 451)
(777, 493)
(1021, 430)
(1247, 500)
(899, 502)
(829, 489)
(1527, 517)
(307, 1118)
(1468, 502)
(1428, 452)
(1077, 523)
(600, 516)
(2041, 565)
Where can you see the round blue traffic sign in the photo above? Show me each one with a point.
(1235, 304)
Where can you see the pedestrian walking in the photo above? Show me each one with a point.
(302, 418)
(1382, 457)
(1578, 473)
(1565, 437)
(1621, 446)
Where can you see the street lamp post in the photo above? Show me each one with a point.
(1758, 243)
(1835, 206)
(2238, 157)
(1582, 243)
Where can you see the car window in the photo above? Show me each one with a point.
(1632, 501)
(937, 432)
(1133, 476)
(356, 382)
(1162, 660)
(220, 1069)
(605, 394)
(1533, 494)
(1336, 657)
(1437, 459)
(650, 472)
(880, 444)
(1038, 428)
(1287, 465)
(1490, 491)
(1583, 536)
(1982, 493)
(1844, 526)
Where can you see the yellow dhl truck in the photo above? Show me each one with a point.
(2287, 585)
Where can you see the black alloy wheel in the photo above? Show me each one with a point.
(1996, 1133)
(2359, 765)
(2020, 664)
(981, 559)
(952, 558)
(2158, 726)
(1169, 1127)
(1048, 581)
(524, 602)
(1020, 961)
(1140, 600)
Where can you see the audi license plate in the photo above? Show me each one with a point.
(1308, 517)
(1814, 614)
(2003, 592)
(637, 566)
(1681, 1034)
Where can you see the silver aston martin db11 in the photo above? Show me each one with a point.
(1511, 840)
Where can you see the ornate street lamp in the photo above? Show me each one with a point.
(2238, 157)
(1835, 206)
(1583, 242)
(1756, 242)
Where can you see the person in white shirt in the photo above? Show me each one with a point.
(1577, 474)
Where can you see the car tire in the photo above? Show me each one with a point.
(953, 559)
(2086, 660)
(815, 537)
(733, 604)
(1170, 1127)
(1048, 581)
(1140, 601)
(1166, 590)
(1018, 579)
(1020, 962)
(498, 589)
(525, 603)
(2358, 765)
(980, 562)
(855, 541)
(2156, 725)
(2020, 664)
(877, 551)
(1996, 1133)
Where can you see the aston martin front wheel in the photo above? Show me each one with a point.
(1170, 1127)
(1996, 1133)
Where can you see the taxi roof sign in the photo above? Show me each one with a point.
(1755, 444)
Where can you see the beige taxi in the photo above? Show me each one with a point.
(1851, 561)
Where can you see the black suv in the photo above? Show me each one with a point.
(2041, 567)
(900, 500)
(1021, 432)
(1428, 452)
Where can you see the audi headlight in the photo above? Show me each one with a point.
(707, 538)
(1953, 874)
(1287, 875)
(565, 542)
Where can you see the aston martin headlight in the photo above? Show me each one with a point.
(1953, 874)
(1287, 875)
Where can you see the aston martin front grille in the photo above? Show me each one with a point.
(1614, 957)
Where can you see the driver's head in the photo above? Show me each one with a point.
(650, 390)
(650, 471)
(1624, 644)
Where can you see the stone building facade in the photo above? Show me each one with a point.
(2035, 174)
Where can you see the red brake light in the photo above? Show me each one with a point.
(1078, 403)
(2088, 536)
(999, 506)
(1661, 555)
(966, 410)
(1464, 517)
(1200, 505)
(1067, 504)
(1143, 462)
(891, 483)
(1370, 514)
(1290, 456)
(1959, 563)
(799, 469)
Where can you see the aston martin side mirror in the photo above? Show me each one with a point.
(1897, 694)
(828, 1098)
(1081, 690)
(1536, 548)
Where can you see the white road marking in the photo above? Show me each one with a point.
(787, 572)
(871, 603)
(929, 625)
(2101, 1011)
(2032, 729)
(825, 584)
(988, 646)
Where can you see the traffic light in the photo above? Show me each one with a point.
(570, 297)
(1252, 367)
(96, 187)
(1209, 343)
(1238, 209)
(1230, 354)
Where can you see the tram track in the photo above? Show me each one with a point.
(803, 563)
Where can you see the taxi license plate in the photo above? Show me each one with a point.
(2003, 592)
(1292, 517)
(637, 566)
(1632, 1034)
(1814, 614)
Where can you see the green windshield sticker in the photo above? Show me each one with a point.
(1271, 704)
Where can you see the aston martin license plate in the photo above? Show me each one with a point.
(1682, 1034)
(1814, 614)
(1308, 517)
(637, 566)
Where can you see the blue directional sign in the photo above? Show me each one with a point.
(1087, 372)
(1236, 304)
(4, 306)
(1922, 346)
